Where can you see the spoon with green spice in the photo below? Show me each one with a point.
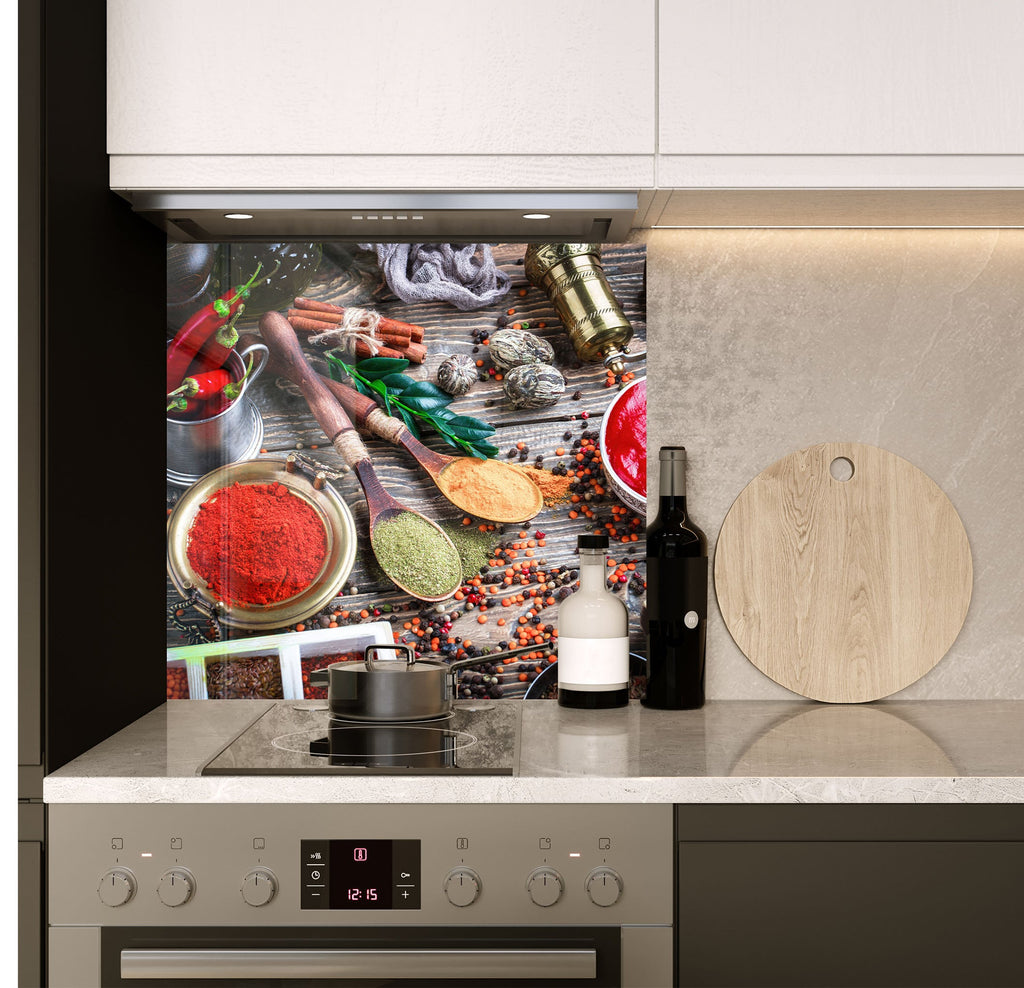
(414, 552)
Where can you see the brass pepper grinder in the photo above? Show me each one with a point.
(572, 277)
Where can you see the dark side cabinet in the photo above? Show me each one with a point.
(919, 896)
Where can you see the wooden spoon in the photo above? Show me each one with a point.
(287, 354)
(368, 415)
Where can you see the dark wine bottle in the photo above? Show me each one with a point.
(677, 594)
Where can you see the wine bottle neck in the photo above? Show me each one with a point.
(672, 480)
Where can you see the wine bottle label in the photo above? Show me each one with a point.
(677, 589)
(590, 664)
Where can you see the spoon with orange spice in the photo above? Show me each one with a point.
(484, 488)
(413, 551)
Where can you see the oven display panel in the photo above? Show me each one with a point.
(360, 874)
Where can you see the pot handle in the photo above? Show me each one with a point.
(370, 655)
(320, 677)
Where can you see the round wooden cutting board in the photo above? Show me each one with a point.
(843, 590)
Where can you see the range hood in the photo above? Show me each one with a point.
(387, 217)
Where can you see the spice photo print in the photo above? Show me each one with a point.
(351, 463)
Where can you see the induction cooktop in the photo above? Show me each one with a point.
(299, 737)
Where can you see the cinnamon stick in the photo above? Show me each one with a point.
(330, 320)
(414, 332)
(363, 350)
(415, 352)
(309, 325)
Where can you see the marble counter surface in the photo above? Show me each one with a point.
(957, 751)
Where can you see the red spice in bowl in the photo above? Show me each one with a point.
(624, 444)
(256, 544)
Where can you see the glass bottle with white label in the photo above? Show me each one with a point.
(593, 636)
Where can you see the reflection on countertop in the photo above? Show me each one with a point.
(759, 738)
(729, 751)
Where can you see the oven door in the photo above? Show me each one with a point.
(438, 956)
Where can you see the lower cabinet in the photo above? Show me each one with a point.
(862, 895)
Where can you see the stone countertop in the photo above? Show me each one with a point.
(760, 751)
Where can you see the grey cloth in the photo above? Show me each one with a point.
(463, 274)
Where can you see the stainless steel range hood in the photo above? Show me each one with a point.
(225, 216)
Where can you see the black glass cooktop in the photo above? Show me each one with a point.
(298, 737)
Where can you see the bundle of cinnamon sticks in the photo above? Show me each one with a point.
(398, 339)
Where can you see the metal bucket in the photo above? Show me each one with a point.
(196, 447)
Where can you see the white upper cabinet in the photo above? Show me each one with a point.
(566, 94)
(339, 80)
(850, 77)
(753, 85)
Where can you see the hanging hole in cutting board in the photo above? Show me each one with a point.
(841, 468)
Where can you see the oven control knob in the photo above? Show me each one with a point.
(545, 886)
(117, 887)
(259, 886)
(176, 887)
(604, 886)
(462, 886)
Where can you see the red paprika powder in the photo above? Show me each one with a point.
(256, 544)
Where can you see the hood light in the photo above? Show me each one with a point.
(536, 216)
(238, 216)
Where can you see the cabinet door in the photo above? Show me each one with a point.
(323, 77)
(789, 914)
(31, 921)
(803, 77)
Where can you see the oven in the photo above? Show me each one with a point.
(360, 895)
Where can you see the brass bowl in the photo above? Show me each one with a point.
(325, 501)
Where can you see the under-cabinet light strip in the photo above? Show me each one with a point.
(834, 226)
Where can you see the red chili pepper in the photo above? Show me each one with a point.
(210, 324)
(233, 389)
(214, 389)
(201, 386)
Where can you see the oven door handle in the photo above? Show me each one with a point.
(464, 965)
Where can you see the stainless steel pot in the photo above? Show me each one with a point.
(392, 691)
